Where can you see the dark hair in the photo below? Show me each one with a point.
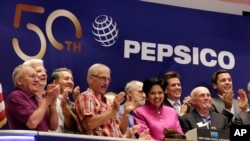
(150, 82)
(215, 75)
(56, 73)
(169, 75)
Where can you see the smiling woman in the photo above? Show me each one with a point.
(159, 119)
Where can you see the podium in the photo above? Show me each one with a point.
(27, 135)
(202, 134)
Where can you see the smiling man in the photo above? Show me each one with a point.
(65, 108)
(225, 102)
(97, 115)
(201, 116)
(173, 93)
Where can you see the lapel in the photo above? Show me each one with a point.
(167, 103)
(197, 117)
(212, 116)
(218, 103)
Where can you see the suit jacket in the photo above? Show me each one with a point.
(189, 121)
(219, 107)
(167, 103)
(243, 118)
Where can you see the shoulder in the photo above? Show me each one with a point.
(235, 101)
(169, 109)
(188, 116)
(85, 94)
(216, 99)
(218, 115)
(244, 114)
(17, 94)
(141, 110)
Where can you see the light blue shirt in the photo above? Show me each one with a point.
(130, 118)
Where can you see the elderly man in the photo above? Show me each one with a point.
(97, 116)
(38, 65)
(201, 116)
(136, 97)
(24, 110)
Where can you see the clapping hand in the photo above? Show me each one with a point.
(76, 92)
(145, 135)
(186, 104)
(51, 93)
(228, 99)
(130, 105)
(242, 100)
(169, 131)
(119, 98)
(64, 97)
(131, 131)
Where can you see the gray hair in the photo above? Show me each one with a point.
(94, 68)
(18, 72)
(33, 62)
(132, 84)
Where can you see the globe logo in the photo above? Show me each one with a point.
(105, 30)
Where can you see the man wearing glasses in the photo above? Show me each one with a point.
(24, 109)
(97, 116)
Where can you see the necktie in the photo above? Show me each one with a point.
(176, 107)
(208, 121)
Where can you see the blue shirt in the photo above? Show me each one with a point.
(130, 118)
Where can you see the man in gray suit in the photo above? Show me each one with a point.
(201, 116)
(225, 102)
(243, 118)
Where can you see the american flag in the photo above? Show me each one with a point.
(3, 118)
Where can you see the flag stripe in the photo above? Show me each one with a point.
(3, 118)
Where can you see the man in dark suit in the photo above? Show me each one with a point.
(201, 116)
(225, 102)
(173, 93)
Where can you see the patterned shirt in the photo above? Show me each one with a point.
(90, 104)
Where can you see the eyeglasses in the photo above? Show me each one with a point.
(32, 76)
(102, 78)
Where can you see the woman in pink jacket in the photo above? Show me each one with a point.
(154, 116)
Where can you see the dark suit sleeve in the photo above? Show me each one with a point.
(228, 114)
(237, 120)
(185, 125)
